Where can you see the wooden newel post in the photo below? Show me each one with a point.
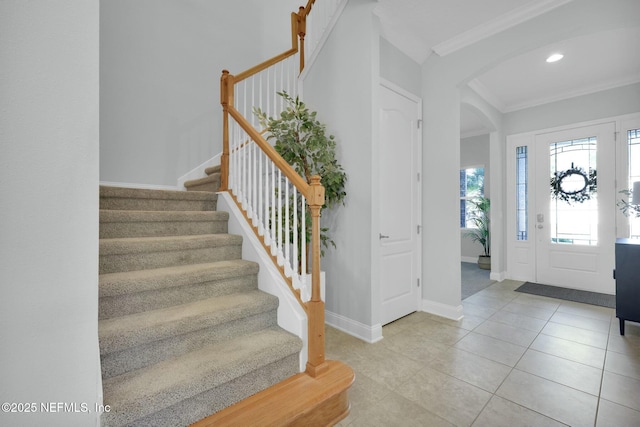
(302, 30)
(315, 312)
(224, 160)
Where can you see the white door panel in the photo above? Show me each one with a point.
(399, 204)
(575, 237)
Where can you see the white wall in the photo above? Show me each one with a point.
(160, 67)
(399, 68)
(441, 168)
(443, 78)
(607, 103)
(49, 216)
(340, 87)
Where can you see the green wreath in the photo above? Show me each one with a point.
(587, 185)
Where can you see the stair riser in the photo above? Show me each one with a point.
(209, 186)
(134, 204)
(197, 407)
(210, 183)
(120, 362)
(155, 229)
(147, 260)
(156, 387)
(126, 304)
(183, 330)
(137, 330)
(213, 169)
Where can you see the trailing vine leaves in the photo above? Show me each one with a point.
(301, 139)
(627, 208)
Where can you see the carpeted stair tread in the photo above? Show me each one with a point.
(130, 223)
(121, 283)
(121, 198)
(141, 253)
(110, 215)
(213, 169)
(132, 358)
(139, 393)
(124, 245)
(183, 329)
(136, 329)
(208, 183)
(132, 292)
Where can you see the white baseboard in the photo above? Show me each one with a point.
(443, 310)
(498, 276)
(470, 259)
(359, 330)
(198, 171)
(143, 186)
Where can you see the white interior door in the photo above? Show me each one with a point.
(399, 203)
(574, 216)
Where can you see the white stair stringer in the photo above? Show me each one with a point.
(291, 316)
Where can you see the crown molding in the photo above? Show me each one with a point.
(572, 94)
(493, 100)
(487, 95)
(497, 25)
(471, 134)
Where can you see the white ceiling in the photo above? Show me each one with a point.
(592, 62)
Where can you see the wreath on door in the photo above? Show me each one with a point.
(574, 185)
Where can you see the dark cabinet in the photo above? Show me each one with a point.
(627, 275)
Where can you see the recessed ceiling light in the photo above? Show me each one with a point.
(555, 57)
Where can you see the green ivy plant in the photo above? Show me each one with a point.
(303, 142)
(627, 208)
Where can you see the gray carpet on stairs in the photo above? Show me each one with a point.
(184, 330)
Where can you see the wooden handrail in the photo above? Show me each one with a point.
(313, 192)
(298, 31)
(276, 158)
(302, 14)
(266, 64)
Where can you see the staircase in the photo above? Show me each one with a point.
(184, 331)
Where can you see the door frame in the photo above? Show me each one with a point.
(521, 255)
(417, 205)
(567, 265)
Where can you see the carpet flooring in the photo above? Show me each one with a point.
(473, 279)
(593, 298)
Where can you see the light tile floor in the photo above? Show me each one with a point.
(514, 360)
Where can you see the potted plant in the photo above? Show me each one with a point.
(481, 231)
(632, 206)
(303, 142)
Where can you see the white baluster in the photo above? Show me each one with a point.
(279, 240)
(250, 171)
(303, 228)
(295, 232)
(259, 208)
(274, 242)
(287, 230)
(255, 184)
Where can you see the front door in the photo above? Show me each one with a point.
(574, 215)
(399, 203)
